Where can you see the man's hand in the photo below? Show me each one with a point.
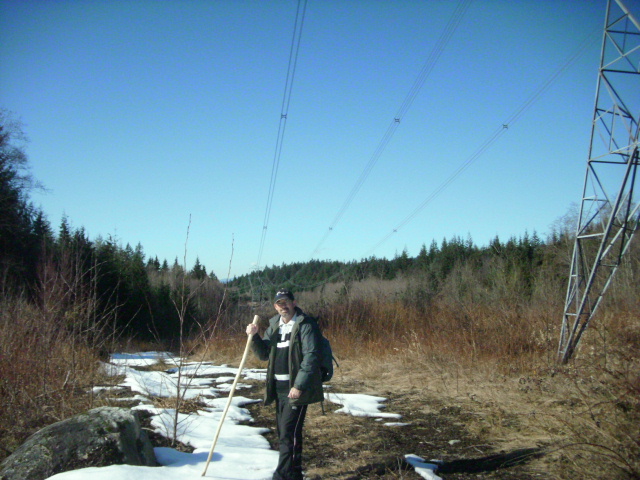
(252, 329)
(294, 393)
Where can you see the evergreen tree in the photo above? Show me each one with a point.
(433, 250)
(402, 262)
(176, 268)
(64, 232)
(422, 260)
(153, 264)
(17, 237)
(199, 271)
(42, 229)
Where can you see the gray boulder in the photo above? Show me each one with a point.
(102, 436)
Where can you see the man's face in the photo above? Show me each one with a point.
(285, 308)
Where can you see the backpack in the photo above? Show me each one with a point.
(327, 359)
(326, 363)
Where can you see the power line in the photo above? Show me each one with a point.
(428, 66)
(484, 146)
(284, 111)
(491, 139)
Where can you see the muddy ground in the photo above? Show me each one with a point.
(339, 446)
(344, 447)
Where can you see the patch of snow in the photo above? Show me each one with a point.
(359, 405)
(425, 470)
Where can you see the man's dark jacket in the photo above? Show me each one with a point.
(304, 358)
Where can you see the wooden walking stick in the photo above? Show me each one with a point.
(233, 387)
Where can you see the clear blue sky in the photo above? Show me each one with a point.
(141, 114)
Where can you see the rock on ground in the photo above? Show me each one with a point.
(102, 436)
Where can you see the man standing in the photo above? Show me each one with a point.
(291, 344)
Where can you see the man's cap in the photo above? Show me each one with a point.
(283, 294)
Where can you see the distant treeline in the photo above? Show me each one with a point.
(521, 256)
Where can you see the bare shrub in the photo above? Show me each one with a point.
(47, 373)
(49, 349)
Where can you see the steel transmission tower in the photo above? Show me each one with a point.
(609, 213)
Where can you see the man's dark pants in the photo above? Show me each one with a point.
(290, 420)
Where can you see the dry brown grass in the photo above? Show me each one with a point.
(585, 415)
(47, 374)
(585, 419)
(494, 355)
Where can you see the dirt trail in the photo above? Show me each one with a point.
(344, 447)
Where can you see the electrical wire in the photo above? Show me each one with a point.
(427, 68)
(284, 110)
(491, 139)
(488, 142)
(484, 146)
